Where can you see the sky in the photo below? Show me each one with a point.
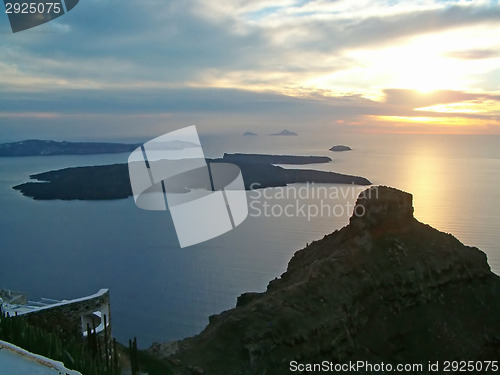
(121, 69)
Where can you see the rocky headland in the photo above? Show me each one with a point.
(386, 288)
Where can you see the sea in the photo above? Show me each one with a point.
(161, 292)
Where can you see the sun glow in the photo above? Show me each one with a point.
(418, 67)
(426, 120)
(427, 63)
(436, 125)
(491, 107)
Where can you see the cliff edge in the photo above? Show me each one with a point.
(385, 288)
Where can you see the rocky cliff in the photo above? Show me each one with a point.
(385, 288)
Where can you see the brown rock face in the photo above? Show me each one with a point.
(386, 288)
(381, 206)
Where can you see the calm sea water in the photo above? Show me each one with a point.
(160, 292)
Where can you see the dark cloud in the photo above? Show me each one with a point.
(129, 113)
(138, 101)
(132, 41)
(229, 108)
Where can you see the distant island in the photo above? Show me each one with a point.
(285, 132)
(107, 182)
(274, 159)
(36, 147)
(340, 148)
(250, 133)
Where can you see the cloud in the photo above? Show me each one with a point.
(118, 114)
(193, 42)
(130, 42)
(414, 98)
(287, 60)
(474, 54)
(176, 100)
